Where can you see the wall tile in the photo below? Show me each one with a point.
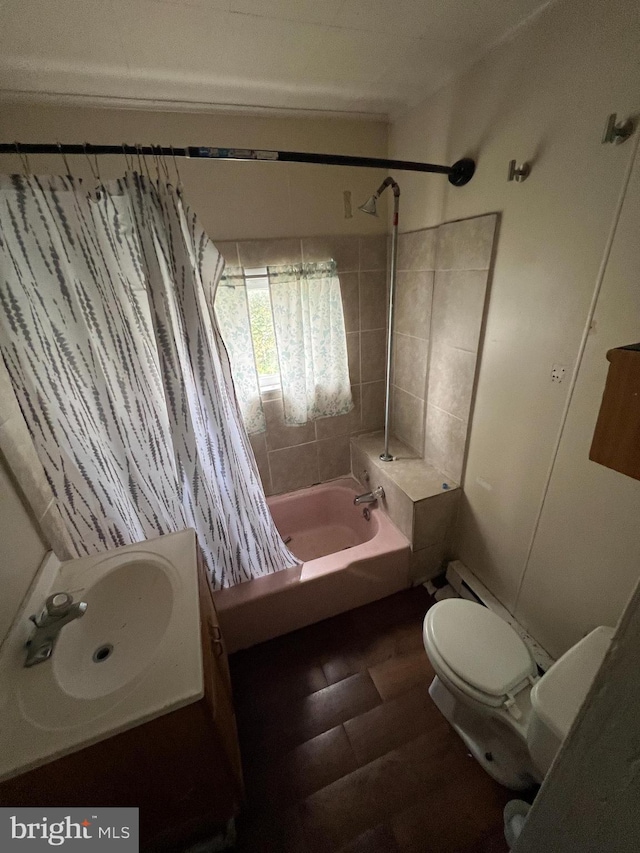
(417, 249)
(261, 253)
(259, 445)
(458, 307)
(467, 244)
(280, 435)
(426, 563)
(342, 424)
(374, 306)
(23, 550)
(353, 354)
(407, 418)
(359, 464)
(451, 375)
(350, 289)
(22, 460)
(414, 292)
(410, 364)
(373, 252)
(372, 406)
(397, 505)
(345, 251)
(271, 394)
(334, 458)
(373, 359)
(444, 445)
(294, 467)
(433, 518)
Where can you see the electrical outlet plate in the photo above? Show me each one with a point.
(557, 372)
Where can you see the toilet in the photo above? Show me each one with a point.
(487, 685)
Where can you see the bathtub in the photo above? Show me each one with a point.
(348, 559)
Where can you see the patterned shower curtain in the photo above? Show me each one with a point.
(108, 332)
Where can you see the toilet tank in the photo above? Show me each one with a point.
(558, 696)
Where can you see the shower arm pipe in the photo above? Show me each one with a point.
(386, 456)
(459, 174)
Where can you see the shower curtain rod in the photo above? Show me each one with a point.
(459, 174)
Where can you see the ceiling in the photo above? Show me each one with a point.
(365, 57)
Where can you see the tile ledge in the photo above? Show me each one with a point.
(413, 475)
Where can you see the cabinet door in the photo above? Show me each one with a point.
(210, 614)
(217, 678)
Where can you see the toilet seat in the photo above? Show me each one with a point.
(478, 653)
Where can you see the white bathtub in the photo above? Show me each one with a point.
(347, 561)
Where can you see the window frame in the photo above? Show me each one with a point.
(257, 278)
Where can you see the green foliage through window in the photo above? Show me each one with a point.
(264, 340)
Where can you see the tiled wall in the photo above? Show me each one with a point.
(294, 457)
(441, 288)
(419, 503)
(412, 330)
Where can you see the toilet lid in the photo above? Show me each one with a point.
(479, 647)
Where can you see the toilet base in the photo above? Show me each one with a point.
(491, 742)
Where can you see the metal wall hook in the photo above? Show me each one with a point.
(519, 172)
(617, 131)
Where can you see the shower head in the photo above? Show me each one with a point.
(370, 206)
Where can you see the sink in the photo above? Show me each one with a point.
(127, 616)
(135, 654)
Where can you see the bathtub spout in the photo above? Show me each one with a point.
(369, 497)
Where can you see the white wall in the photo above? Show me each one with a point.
(542, 97)
(235, 200)
(22, 550)
(586, 554)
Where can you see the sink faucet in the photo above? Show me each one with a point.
(59, 609)
(369, 497)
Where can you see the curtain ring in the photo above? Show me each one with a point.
(140, 169)
(128, 161)
(156, 160)
(142, 162)
(24, 159)
(64, 159)
(175, 166)
(94, 171)
(165, 166)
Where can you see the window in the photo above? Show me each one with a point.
(262, 331)
(283, 327)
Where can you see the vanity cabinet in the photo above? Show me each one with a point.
(181, 769)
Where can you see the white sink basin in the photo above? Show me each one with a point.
(127, 616)
(134, 655)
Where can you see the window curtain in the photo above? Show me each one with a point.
(108, 333)
(232, 312)
(311, 339)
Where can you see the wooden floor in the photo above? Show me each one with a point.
(343, 749)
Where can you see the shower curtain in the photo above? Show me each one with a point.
(108, 332)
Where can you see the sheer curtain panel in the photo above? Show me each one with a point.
(311, 339)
